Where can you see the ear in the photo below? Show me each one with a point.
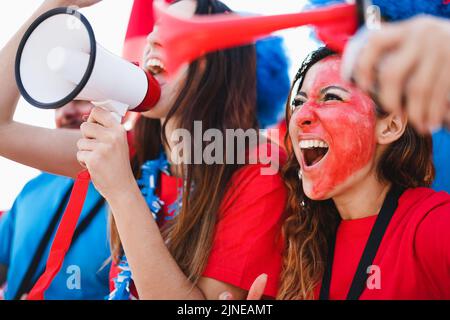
(390, 128)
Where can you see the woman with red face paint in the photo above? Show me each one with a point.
(362, 223)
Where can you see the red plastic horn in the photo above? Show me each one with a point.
(184, 40)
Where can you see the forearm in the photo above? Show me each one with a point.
(48, 150)
(155, 272)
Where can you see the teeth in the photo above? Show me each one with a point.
(152, 63)
(309, 144)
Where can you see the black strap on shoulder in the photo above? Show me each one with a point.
(326, 280)
(27, 281)
(373, 243)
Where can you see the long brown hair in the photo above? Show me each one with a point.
(310, 224)
(219, 91)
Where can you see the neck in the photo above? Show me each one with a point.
(363, 199)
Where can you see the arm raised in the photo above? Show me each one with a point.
(45, 149)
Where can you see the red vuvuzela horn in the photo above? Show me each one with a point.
(184, 40)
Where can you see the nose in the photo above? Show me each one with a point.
(153, 38)
(306, 117)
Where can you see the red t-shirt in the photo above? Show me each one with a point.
(247, 241)
(414, 255)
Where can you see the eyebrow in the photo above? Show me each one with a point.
(303, 94)
(333, 87)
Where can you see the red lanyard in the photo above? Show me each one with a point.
(63, 237)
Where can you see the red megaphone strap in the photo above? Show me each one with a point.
(63, 237)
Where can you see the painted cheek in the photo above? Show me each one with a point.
(293, 135)
(352, 145)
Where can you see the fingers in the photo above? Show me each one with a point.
(379, 42)
(84, 148)
(419, 90)
(256, 291)
(94, 131)
(87, 144)
(393, 73)
(258, 287)
(103, 117)
(440, 98)
(91, 152)
(83, 158)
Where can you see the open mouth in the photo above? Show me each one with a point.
(313, 151)
(155, 66)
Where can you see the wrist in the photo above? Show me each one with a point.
(51, 4)
(126, 192)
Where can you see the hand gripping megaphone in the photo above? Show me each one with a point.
(59, 60)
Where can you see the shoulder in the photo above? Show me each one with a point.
(44, 181)
(425, 214)
(429, 228)
(422, 201)
(433, 216)
(418, 207)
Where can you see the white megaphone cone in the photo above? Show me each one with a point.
(59, 61)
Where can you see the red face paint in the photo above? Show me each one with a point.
(347, 127)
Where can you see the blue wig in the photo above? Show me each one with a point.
(396, 10)
(273, 82)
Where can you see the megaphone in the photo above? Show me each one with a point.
(59, 60)
(184, 40)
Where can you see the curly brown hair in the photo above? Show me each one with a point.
(310, 224)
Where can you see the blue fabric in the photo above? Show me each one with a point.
(25, 224)
(273, 82)
(441, 156)
(397, 10)
(150, 172)
(149, 177)
(122, 282)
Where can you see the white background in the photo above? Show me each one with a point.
(109, 20)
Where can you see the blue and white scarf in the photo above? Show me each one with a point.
(148, 184)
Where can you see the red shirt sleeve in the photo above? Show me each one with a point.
(248, 240)
(432, 244)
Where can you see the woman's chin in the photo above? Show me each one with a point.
(313, 192)
(159, 111)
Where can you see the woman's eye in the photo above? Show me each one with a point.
(332, 96)
(297, 103)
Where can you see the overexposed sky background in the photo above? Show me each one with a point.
(109, 20)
